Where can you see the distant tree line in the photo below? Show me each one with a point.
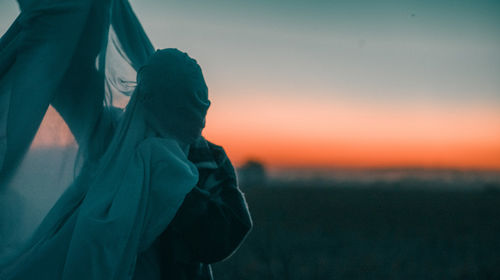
(252, 174)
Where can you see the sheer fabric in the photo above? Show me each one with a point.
(74, 56)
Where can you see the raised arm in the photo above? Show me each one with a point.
(36, 54)
(49, 56)
(80, 99)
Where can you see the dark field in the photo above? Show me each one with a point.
(348, 233)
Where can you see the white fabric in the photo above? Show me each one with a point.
(129, 183)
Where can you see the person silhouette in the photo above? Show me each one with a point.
(154, 199)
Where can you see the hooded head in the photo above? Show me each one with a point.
(174, 94)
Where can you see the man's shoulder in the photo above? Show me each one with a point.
(161, 149)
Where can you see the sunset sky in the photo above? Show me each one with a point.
(341, 83)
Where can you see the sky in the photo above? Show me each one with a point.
(357, 83)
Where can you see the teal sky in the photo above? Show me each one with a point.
(346, 77)
(374, 51)
(426, 51)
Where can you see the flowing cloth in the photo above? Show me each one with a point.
(76, 55)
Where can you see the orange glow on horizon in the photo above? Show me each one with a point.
(302, 133)
(361, 155)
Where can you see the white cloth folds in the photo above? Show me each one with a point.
(130, 184)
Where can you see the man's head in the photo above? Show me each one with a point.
(173, 91)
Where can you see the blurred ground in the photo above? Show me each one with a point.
(306, 232)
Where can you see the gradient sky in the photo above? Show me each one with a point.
(341, 83)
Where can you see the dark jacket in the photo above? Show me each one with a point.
(212, 221)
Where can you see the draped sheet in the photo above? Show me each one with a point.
(57, 49)
(80, 57)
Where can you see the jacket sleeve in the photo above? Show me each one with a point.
(214, 218)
